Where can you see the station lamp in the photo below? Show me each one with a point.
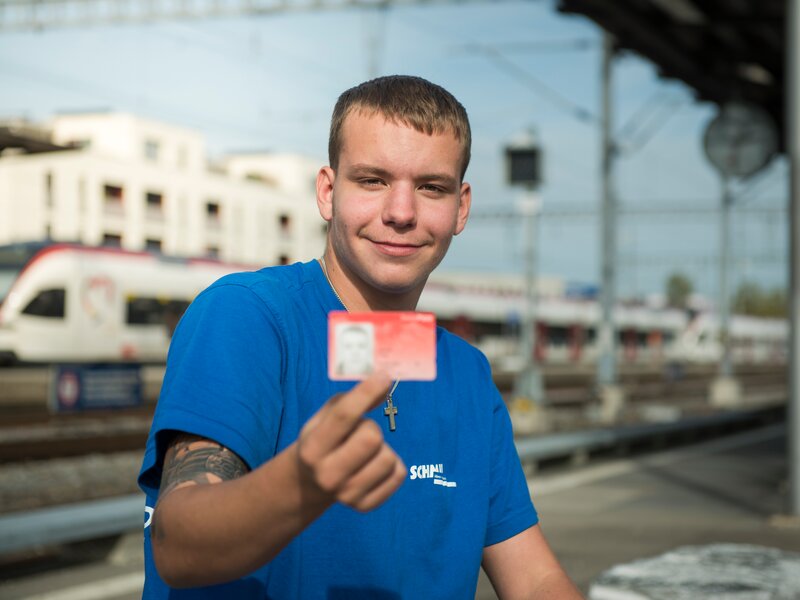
(524, 161)
(524, 169)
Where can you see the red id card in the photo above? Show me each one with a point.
(402, 344)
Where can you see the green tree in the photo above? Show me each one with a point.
(679, 288)
(752, 299)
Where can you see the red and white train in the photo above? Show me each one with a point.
(566, 330)
(72, 303)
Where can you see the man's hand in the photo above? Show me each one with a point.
(344, 456)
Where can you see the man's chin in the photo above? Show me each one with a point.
(398, 286)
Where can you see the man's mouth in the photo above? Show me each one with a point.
(396, 249)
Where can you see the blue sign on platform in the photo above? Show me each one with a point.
(86, 387)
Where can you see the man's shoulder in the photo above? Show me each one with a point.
(459, 348)
(270, 283)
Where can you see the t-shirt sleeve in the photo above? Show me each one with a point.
(511, 510)
(223, 379)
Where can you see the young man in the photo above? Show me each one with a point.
(276, 482)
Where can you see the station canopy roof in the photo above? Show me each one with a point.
(26, 139)
(725, 50)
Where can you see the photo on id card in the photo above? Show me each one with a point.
(399, 343)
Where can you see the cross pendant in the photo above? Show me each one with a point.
(390, 411)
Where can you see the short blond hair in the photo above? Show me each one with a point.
(406, 99)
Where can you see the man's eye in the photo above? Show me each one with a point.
(429, 187)
(371, 182)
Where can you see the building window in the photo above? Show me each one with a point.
(151, 149)
(212, 210)
(154, 200)
(212, 252)
(152, 245)
(113, 196)
(154, 205)
(285, 222)
(112, 240)
(283, 259)
(47, 303)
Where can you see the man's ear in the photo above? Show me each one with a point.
(464, 204)
(325, 179)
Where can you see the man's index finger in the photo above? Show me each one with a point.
(343, 413)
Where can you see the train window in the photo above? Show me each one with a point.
(155, 311)
(558, 335)
(144, 311)
(47, 303)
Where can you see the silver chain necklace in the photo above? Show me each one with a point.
(390, 410)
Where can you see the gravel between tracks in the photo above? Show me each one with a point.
(36, 484)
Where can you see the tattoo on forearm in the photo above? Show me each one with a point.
(192, 460)
(199, 461)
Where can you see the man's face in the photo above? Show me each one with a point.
(394, 202)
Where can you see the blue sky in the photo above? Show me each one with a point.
(270, 83)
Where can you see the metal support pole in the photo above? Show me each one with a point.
(793, 146)
(725, 363)
(374, 21)
(606, 332)
(529, 384)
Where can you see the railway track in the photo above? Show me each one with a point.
(28, 431)
(37, 436)
(49, 527)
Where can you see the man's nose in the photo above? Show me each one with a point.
(400, 206)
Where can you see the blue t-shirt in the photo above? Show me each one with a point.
(247, 367)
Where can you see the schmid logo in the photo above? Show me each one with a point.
(434, 472)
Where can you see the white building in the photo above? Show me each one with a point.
(140, 184)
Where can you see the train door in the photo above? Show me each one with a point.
(542, 342)
(576, 341)
(630, 344)
(99, 309)
(655, 345)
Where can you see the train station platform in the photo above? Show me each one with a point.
(731, 490)
(728, 492)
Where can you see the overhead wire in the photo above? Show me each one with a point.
(536, 84)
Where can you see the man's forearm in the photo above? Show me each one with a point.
(556, 586)
(209, 534)
(212, 525)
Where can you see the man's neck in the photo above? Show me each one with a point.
(358, 296)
